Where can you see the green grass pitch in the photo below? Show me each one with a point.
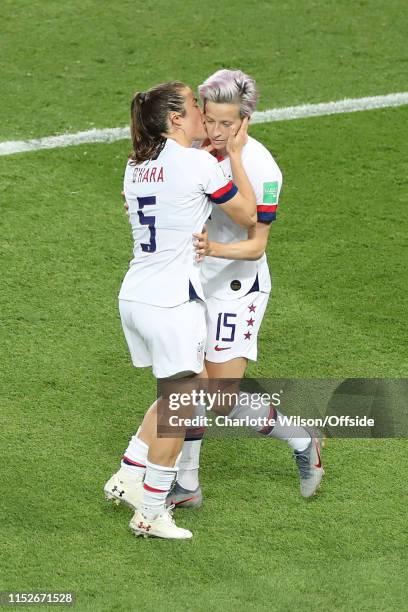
(69, 396)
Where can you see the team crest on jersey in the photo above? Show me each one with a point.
(270, 193)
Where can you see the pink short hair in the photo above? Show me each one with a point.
(231, 87)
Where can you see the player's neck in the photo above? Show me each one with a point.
(180, 137)
(221, 154)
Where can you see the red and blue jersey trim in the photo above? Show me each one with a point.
(266, 213)
(224, 194)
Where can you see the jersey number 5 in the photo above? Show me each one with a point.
(148, 220)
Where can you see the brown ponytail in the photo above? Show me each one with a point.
(149, 113)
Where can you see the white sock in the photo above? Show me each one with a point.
(135, 457)
(187, 476)
(157, 483)
(296, 437)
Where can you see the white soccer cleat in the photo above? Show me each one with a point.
(126, 488)
(163, 526)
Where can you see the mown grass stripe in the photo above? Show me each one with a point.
(348, 105)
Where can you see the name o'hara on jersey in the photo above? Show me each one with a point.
(148, 175)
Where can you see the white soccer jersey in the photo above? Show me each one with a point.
(229, 279)
(169, 198)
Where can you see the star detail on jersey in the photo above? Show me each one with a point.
(221, 348)
(250, 322)
(251, 308)
(247, 335)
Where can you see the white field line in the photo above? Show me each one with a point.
(349, 105)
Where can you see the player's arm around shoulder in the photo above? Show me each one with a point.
(242, 207)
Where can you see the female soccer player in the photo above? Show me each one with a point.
(236, 280)
(169, 187)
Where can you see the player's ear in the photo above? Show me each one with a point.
(175, 119)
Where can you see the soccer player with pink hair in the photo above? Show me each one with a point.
(237, 284)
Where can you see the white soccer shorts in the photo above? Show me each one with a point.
(171, 340)
(233, 325)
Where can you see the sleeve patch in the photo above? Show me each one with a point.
(270, 192)
(224, 194)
